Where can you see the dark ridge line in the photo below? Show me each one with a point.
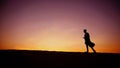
(14, 50)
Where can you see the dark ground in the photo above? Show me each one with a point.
(46, 59)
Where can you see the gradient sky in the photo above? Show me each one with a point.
(57, 25)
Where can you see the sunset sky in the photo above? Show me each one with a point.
(57, 25)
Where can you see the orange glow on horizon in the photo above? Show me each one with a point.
(59, 42)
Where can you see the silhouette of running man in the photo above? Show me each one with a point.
(87, 41)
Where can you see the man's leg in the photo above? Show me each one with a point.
(87, 48)
(93, 50)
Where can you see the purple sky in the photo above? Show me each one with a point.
(32, 24)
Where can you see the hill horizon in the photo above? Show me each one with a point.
(57, 51)
(53, 59)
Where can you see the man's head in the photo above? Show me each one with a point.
(85, 30)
